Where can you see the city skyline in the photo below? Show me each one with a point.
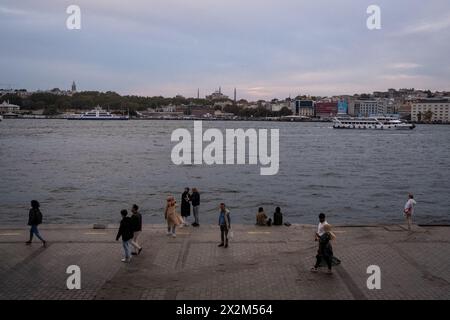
(265, 50)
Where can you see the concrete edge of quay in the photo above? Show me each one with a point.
(160, 225)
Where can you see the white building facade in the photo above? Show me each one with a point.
(440, 109)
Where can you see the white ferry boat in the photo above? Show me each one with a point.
(97, 114)
(377, 123)
(1, 117)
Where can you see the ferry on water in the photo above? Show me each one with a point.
(377, 123)
(97, 114)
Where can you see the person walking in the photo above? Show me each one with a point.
(126, 232)
(409, 210)
(35, 219)
(277, 217)
(225, 225)
(325, 251)
(172, 217)
(195, 200)
(136, 223)
(185, 206)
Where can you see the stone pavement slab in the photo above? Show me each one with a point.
(261, 263)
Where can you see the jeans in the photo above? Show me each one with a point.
(134, 242)
(126, 248)
(34, 230)
(224, 234)
(171, 229)
(195, 209)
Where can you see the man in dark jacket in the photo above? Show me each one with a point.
(35, 219)
(195, 200)
(136, 222)
(126, 232)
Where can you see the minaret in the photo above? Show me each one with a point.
(74, 86)
(234, 95)
(198, 93)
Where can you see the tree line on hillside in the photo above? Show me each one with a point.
(53, 104)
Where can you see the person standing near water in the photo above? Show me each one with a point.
(409, 210)
(136, 222)
(224, 223)
(277, 217)
(35, 219)
(126, 232)
(172, 218)
(185, 206)
(195, 200)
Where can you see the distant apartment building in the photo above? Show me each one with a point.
(326, 109)
(303, 108)
(7, 107)
(440, 110)
(371, 107)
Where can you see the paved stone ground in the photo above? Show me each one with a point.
(261, 263)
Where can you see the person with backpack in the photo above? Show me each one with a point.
(35, 219)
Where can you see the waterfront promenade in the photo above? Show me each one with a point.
(261, 263)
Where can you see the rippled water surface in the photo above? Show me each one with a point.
(85, 172)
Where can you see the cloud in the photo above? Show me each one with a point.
(405, 65)
(429, 26)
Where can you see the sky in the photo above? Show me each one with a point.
(265, 48)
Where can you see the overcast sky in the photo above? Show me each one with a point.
(265, 48)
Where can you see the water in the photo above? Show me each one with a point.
(86, 172)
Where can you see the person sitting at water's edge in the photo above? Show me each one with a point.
(136, 223)
(35, 219)
(225, 225)
(126, 232)
(277, 217)
(261, 218)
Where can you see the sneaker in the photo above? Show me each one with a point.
(221, 245)
(329, 271)
(174, 235)
(134, 254)
(139, 251)
(314, 269)
(226, 245)
(168, 233)
(28, 242)
(124, 260)
(44, 244)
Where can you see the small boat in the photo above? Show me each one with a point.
(97, 114)
(376, 123)
(1, 117)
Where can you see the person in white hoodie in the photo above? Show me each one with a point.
(409, 210)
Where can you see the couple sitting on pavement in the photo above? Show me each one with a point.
(263, 220)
